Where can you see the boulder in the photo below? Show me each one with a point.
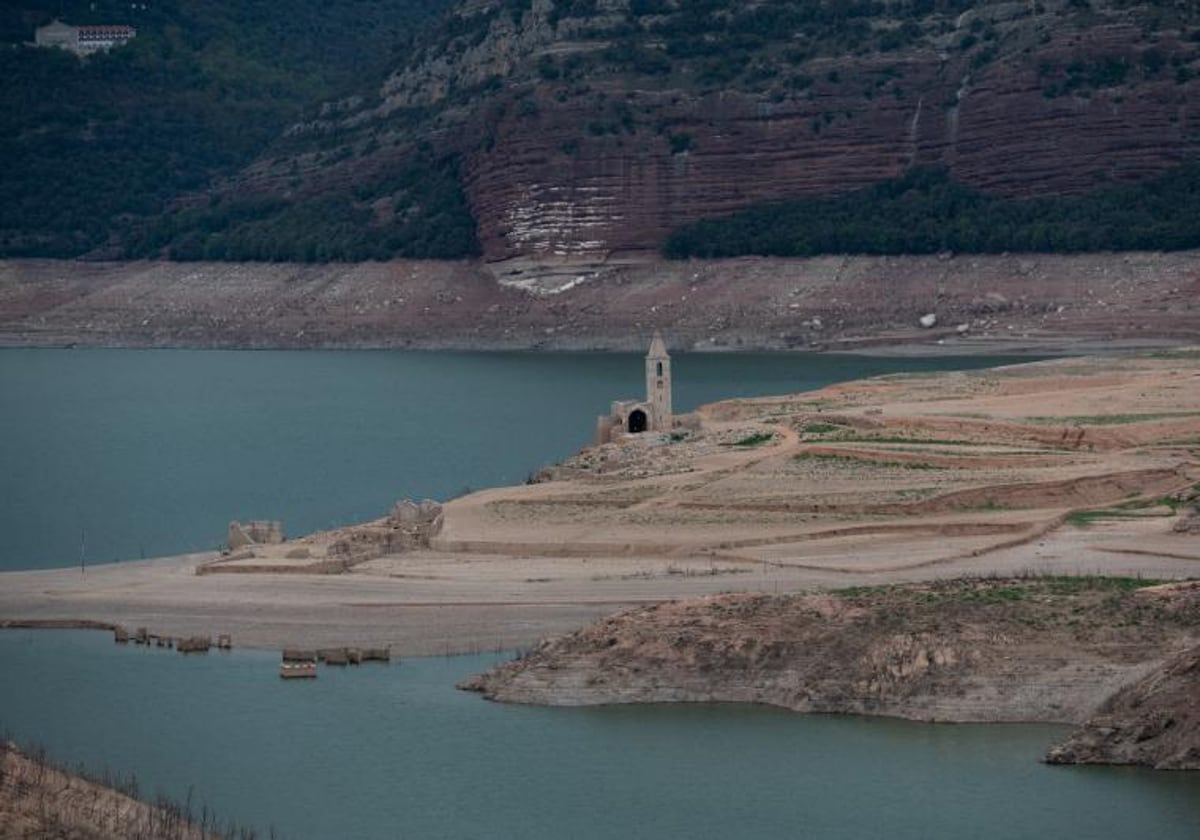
(1188, 521)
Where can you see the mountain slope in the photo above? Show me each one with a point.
(583, 128)
(90, 145)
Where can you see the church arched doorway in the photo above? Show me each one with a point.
(637, 421)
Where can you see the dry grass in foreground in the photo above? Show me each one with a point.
(42, 799)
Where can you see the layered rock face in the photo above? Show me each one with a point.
(1154, 723)
(592, 128)
(1001, 135)
(956, 651)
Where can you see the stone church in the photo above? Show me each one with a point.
(654, 414)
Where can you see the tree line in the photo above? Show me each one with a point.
(925, 211)
(91, 145)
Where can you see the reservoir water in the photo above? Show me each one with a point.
(153, 452)
(120, 454)
(395, 752)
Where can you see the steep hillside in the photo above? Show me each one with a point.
(89, 146)
(586, 127)
(1155, 722)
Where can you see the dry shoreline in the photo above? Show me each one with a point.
(1117, 655)
(898, 479)
(1019, 303)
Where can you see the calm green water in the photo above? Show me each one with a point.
(395, 751)
(153, 452)
(148, 453)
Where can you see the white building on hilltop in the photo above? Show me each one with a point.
(83, 40)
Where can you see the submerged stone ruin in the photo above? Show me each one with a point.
(254, 532)
(260, 546)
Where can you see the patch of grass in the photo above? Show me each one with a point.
(1125, 510)
(861, 591)
(1030, 587)
(910, 440)
(756, 439)
(1089, 583)
(809, 405)
(822, 457)
(1142, 504)
(821, 428)
(978, 595)
(1084, 518)
(846, 460)
(1110, 419)
(988, 453)
(1175, 354)
(986, 505)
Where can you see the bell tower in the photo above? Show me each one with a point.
(658, 385)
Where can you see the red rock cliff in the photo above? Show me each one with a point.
(588, 128)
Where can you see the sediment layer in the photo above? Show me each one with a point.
(981, 304)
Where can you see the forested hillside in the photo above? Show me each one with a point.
(370, 129)
(926, 212)
(580, 128)
(93, 147)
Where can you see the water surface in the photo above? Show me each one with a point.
(395, 751)
(153, 452)
(116, 454)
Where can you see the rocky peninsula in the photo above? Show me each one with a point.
(989, 650)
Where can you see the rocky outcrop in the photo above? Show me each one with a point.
(256, 548)
(1189, 521)
(994, 650)
(587, 130)
(255, 532)
(409, 525)
(1155, 722)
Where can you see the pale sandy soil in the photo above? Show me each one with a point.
(903, 478)
(40, 800)
(1077, 303)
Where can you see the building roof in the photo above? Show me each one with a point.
(111, 31)
(658, 348)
